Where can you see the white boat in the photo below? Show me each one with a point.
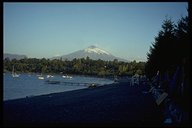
(14, 74)
(68, 77)
(48, 76)
(41, 77)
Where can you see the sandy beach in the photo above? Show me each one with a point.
(110, 105)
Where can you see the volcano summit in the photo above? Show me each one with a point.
(92, 52)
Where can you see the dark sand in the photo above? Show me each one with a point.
(109, 105)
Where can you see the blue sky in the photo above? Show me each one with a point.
(125, 30)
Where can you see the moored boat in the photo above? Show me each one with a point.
(67, 77)
(41, 77)
(48, 76)
(14, 74)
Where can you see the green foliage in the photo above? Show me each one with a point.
(170, 49)
(76, 66)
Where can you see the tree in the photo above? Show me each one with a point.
(76, 66)
(159, 56)
(169, 52)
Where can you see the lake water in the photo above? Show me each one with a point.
(29, 85)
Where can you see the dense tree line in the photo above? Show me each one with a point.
(169, 55)
(76, 66)
(170, 49)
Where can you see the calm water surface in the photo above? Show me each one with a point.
(29, 85)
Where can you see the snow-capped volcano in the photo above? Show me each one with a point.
(92, 52)
(94, 49)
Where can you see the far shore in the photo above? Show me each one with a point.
(70, 74)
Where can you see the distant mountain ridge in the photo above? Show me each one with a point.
(92, 52)
(14, 56)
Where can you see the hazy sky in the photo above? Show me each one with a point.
(125, 30)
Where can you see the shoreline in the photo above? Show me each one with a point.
(30, 96)
(64, 87)
(104, 105)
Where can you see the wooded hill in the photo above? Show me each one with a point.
(76, 66)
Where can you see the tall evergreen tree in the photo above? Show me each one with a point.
(160, 54)
(170, 53)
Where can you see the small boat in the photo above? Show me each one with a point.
(48, 76)
(68, 77)
(41, 77)
(14, 74)
(93, 85)
(64, 76)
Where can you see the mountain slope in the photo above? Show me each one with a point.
(14, 56)
(92, 52)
